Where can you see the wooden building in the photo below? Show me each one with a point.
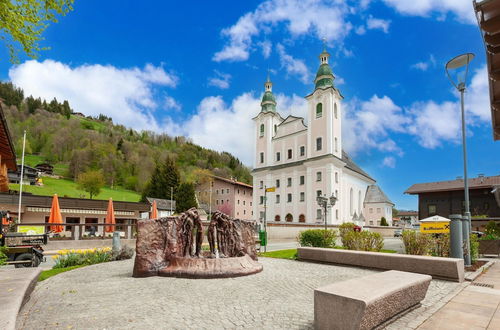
(447, 197)
(45, 168)
(30, 175)
(7, 153)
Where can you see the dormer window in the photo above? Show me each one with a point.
(319, 110)
(261, 130)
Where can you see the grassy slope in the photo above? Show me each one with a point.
(51, 272)
(68, 188)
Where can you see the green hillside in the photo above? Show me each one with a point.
(68, 188)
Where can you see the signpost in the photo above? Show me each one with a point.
(435, 227)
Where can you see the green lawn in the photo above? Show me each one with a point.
(33, 160)
(68, 188)
(51, 272)
(281, 254)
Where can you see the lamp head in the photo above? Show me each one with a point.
(457, 69)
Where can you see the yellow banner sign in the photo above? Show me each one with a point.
(435, 227)
(31, 230)
(272, 189)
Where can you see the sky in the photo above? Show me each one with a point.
(198, 68)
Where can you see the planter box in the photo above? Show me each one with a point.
(489, 247)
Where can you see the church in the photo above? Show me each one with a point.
(296, 163)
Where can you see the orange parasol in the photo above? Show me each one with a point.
(55, 216)
(110, 217)
(5, 221)
(154, 211)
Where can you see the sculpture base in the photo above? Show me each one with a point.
(211, 267)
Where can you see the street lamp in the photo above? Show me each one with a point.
(457, 70)
(325, 203)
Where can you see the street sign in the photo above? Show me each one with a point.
(435, 227)
(272, 189)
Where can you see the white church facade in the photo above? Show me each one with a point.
(302, 162)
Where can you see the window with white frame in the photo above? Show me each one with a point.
(318, 176)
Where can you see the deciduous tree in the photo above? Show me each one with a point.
(91, 182)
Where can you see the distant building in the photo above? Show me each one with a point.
(45, 168)
(447, 197)
(376, 206)
(407, 218)
(30, 175)
(227, 195)
(165, 207)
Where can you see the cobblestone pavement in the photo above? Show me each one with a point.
(106, 296)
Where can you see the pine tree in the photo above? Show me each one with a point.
(164, 180)
(185, 197)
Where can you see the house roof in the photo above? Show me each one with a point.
(232, 181)
(407, 213)
(458, 184)
(488, 18)
(375, 195)
(350, 164)
(162, 204)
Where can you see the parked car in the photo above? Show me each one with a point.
(398, 232)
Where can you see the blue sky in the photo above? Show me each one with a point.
(197, 69)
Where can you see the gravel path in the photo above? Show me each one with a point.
(106, 296)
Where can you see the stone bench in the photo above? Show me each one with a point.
(367, 302)
(451, 269)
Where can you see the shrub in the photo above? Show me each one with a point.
(318, 238)
(383, 222)
(441, 246)
(344, 229)
(492, 230)
(69, 258)
(124, 253)
(3, 255)
(363, 241)
(417, 243)
(474, 248)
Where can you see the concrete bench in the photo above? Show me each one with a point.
(366, 302)
(451, 269)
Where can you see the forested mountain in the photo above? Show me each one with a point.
(126, 157)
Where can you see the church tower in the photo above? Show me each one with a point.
(324, 113)
(266, 125)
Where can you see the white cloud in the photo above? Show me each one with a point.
(378, 24)
(171, 103)
(321, 18)
(461, 9)
(221, 80)
(266, 48)
(360, 30)
(424, 65)
(389, 161)
(126, 95)
(293, 66)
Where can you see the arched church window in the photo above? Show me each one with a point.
(277, 217)
(261, 129)
(351, 202)
(319, 110)
(289, 217)
(302, 218)
(335, 110)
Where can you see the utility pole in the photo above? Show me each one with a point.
(21, 180)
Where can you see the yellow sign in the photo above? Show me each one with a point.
(272, 189)
(435, 227)
(31, 230)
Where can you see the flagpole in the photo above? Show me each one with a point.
(21, 180)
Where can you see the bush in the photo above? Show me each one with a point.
(474, 248)
(492, 230)
(69, 258)
(383, 222)
(318, 238)
(3, 255)
(441, 246)
(126, 252)
(363, 241)
(344, 229)
(417, 243)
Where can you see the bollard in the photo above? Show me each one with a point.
(117, 246)
(466, 239)
(456, 238)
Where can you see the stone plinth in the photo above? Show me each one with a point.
(366, 302)
(211, 267)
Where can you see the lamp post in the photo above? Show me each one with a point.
(325, 203)
(459, 68)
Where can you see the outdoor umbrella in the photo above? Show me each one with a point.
(154, 211)
(110, 217)
(55, 216)
(5, 221)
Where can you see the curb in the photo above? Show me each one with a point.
(472, 276)
(19, 284)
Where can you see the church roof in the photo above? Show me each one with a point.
(375, 195)
(350, 164)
